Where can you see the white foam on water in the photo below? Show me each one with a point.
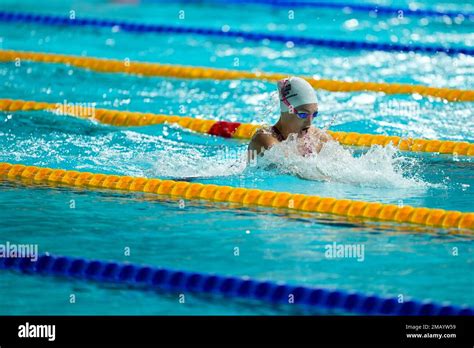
(378, 167)
(194, 163)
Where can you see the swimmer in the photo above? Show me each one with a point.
(298, 106)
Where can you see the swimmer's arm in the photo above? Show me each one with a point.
(320, 136)
(323, 137)
(259, 143)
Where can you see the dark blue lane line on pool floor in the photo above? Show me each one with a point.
(379, 9)
(168, 29)
(153, 278)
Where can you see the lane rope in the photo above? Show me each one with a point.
(376, 9)
(253, 197)
(168, 280)
(250, 36)
(233, 129)
(189, 72)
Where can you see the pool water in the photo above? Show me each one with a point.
(415, 262)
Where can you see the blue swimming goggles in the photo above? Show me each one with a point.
(305, 115)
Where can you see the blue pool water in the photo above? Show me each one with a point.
(280, 246)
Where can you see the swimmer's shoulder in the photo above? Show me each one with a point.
(264, 130)
(263, 138)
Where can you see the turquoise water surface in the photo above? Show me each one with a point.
(416, 262)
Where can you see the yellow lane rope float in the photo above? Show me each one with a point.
(244, 196)
(155, 69)
(234, 129)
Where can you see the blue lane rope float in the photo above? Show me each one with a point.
(251, 36)
(153, 278)
(367, 8)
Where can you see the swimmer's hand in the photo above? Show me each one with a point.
(313, 140)
(319, 135)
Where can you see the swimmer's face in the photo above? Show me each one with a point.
(295, 124)
(309, 109)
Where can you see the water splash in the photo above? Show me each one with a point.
(378, 167)
(188, 163)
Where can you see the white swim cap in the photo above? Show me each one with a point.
(294, 92)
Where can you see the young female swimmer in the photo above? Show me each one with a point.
(298, 106)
